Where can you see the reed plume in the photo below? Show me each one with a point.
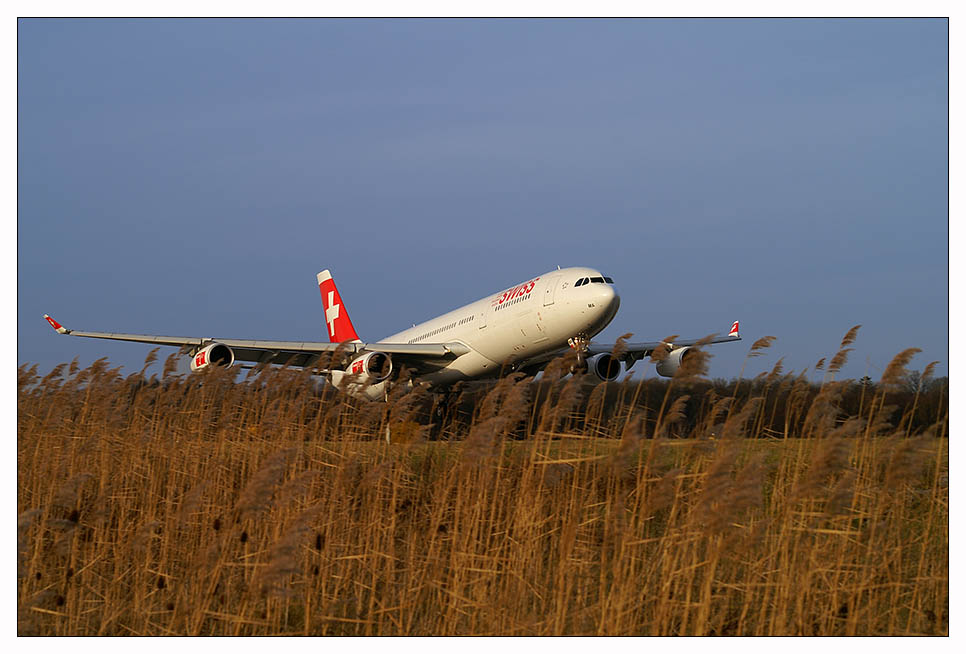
(760, 345)
(849, 337)
(896, 369)
(267, 504)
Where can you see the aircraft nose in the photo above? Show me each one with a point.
(615, 301)
(607, 295)
(608, 299)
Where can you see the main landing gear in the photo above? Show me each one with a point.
(445, 408)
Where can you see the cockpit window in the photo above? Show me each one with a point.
(580, 282)
(608, 280)
(596, 280)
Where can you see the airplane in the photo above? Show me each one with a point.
(520, 328)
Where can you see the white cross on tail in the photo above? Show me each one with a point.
(331, 313)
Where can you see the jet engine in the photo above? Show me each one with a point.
(670, 364)
(605, 366)
(216, 354)
(377, 365)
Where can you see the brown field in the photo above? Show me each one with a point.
(228, 505)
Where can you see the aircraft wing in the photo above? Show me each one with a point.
(630, 352)
(293, 353)
(636, 351)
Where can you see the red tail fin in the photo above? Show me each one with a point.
(336, 317)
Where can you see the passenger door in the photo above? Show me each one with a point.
(550, 289)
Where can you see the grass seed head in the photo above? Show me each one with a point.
(694, 365)
(849, 337)
(660, 353)
(674, 415)
(896, 369)
(839, 359)
(758, 347)
(170, 365)
(150, 358)
(776, 371)
(620, 347)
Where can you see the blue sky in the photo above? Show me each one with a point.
(190, 177)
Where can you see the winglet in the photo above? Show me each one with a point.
(56, 325)
(734, 330)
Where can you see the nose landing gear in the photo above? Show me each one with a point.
(579, 345)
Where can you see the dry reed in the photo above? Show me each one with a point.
(219, 505)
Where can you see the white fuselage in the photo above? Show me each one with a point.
(518, 323)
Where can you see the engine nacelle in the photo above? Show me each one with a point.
(668, 366)
(216, 354)
(605, 366)
(376, 365)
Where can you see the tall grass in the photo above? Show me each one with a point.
(217, 504)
